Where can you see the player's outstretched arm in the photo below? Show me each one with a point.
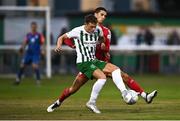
(59, 42)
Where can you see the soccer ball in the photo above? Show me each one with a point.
(131, 97)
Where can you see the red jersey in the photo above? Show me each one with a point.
(101, 54)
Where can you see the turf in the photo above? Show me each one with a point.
(29, 101)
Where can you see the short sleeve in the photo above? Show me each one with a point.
(42, 39)
(26, 38)
(109, 34)
(72, 34)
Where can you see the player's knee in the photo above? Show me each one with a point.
(22, 66)
(115, 68)
(103, 76)
(111, 67)
(35, 65)
(125, 76)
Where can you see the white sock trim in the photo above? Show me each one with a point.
(143, 95)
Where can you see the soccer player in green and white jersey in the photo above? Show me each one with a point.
(86, 37)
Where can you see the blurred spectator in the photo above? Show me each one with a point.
(140, 36)
(149, 37)
(146, 63)
(113, 35)
(173, 38)
(144, 36)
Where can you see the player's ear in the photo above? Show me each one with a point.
(95, 14)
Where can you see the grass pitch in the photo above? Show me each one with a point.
(29, 101)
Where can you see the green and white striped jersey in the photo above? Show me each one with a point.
(85, 43)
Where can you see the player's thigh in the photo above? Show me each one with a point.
(99, 64)
(87, 68)
(35, 61)
(26, 60)
(109, 68)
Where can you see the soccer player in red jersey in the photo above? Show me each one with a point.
(102, 53)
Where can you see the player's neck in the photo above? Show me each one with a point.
(86, 28)
(33, 32)
(99, 24)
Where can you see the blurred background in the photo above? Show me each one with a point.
(145, 33)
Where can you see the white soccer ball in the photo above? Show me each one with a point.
(131, 97)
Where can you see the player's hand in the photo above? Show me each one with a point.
(107, 55)
(21, 51)
(73, 46)
(58, 49)
(43, 52)
(103, 46)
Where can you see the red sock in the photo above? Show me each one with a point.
(134, 85)
(64, 95)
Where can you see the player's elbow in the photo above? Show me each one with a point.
(62, 38)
